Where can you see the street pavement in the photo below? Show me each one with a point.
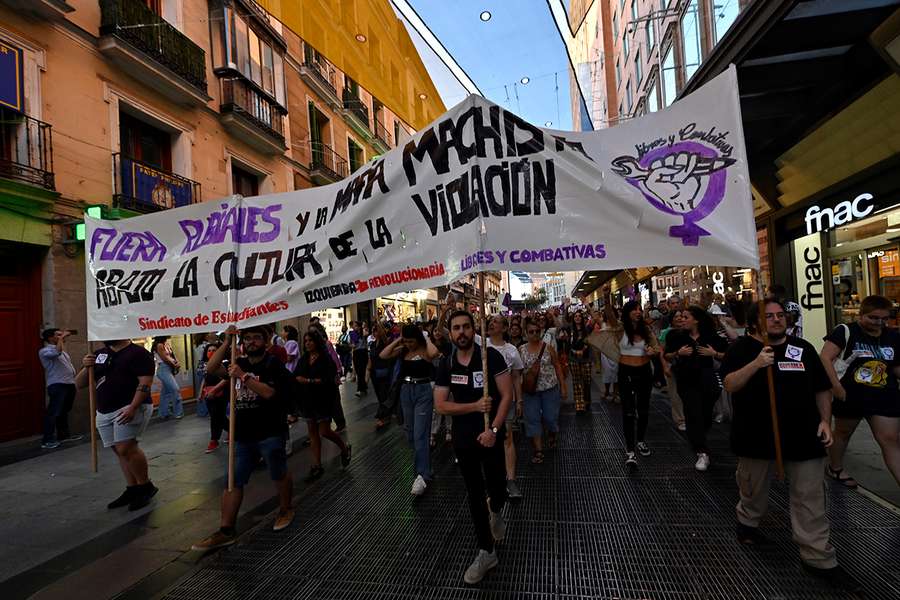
(56, 534)
(585, 529)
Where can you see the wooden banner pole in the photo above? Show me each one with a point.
(762, 327)
(484, 357)
(92, 402)
(232, 417)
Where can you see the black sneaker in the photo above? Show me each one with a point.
(124, 499)
(836, 577)
(750, 536)
(643, 448)
(143, 495)
(345, 456)
(314, 473)
(631, 463)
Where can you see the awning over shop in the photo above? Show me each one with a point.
(592, 280)
(799, 62)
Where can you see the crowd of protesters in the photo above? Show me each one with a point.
(708, 363)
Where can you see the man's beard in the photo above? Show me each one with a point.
(775, 337)
(255, 353)
(464, 342)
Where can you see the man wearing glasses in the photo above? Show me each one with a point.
(803, 400)
(868, 388)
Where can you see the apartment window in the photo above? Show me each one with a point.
(355, 154)
(652, 97)
(255, 58)
(638, 73)
(615, 25)
(628, 97)
(618, 73)
(145, 143)
(725, 12)
(670, 89)
(690, 36)
(649, 35)
(243, 182)
(634, 10)
(396, 132)
(625, 44)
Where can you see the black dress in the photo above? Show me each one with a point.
(317, 399)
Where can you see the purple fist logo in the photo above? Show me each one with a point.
(686, 179)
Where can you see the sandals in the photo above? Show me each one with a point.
(538, 458)
(845, 480)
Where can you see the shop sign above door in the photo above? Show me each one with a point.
(822, 219)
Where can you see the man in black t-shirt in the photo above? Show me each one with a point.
(803, 402)
(868, 389)
(479, 450)
(260, 411)
(123, 373)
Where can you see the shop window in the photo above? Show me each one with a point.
(690, 36)
(243, 182)
(725, 12)
(145, 143)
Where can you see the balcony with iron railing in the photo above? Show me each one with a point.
(356, 112)
(320, 75)
(26, 150)
(153, 51)
(252, 115)
(325, 165)
(382, 138)
(144, 188)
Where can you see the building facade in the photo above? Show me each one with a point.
(137, 106)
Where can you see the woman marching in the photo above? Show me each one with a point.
(381, 370)
(633, 347)
(167, 367)
(692, 351)
(416, 396)
(316, 372)
(541, 392)
(580, 364)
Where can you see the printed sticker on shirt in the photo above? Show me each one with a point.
(887, 352)
(459, 379)
(791, 365)
(101, 358)
(793, 352)
(872, 374)
(478, 379)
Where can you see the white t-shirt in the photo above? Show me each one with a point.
(510, 354)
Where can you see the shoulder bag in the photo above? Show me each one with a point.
(529, 382)
(843, 361)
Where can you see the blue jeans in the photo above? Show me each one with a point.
(417, 402)
(541, 406)
(169, 392)
(61, 396)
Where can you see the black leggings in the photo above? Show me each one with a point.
(698, 413)
(635, 384)
(218, 422)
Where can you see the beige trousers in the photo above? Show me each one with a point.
(675, 399)
(809, 514)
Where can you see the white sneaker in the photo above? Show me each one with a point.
(702, 461)
(418, 486)
(498, 527)
(484, 562)
(682, 427)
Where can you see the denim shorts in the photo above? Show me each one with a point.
(246, 456)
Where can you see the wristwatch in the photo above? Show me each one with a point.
(495, 430)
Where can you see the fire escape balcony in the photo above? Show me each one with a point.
(153, 51)
(143, 188)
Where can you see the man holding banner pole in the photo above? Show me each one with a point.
(259, 415)
(123, 373)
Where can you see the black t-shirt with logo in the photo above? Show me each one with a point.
(116, 375)
(869, 381)
(466, 385)
(799, 375)
(259, 418)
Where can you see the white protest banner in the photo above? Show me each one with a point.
(479, 189)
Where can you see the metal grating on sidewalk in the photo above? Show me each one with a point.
(586, 529)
